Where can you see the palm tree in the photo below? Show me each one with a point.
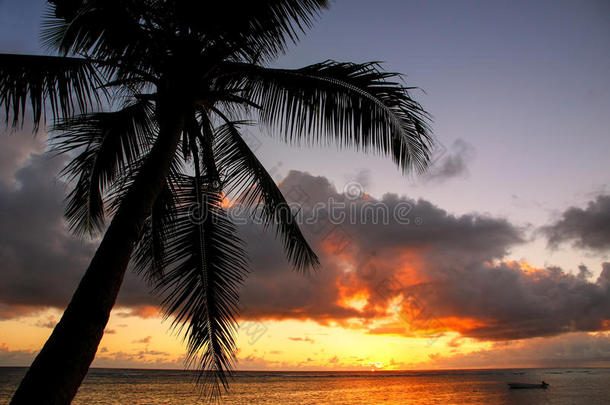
(149, 98)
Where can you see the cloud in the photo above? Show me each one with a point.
(9, 311)
(273, 291)
(41, 261)
(452, 164)
(300, 339)
(15, 150)
(48, 322)
(16, 358)
(450, 273)
(141, 359)
(382, 251)
(141, 311)
(511, 301)
(604, 276)
(583, 272)
(587, 228)
(146, 340)
(569, 350)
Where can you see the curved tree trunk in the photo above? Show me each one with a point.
(63, 362)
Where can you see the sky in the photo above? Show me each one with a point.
(497, 257)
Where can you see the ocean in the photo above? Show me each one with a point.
(151, 387)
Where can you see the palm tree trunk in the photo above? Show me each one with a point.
(63, 362)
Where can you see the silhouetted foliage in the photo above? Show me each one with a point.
(125, 59)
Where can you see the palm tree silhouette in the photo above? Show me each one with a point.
(144, 93)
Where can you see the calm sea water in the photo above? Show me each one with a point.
(135, 387)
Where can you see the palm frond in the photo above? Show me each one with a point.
(149, 256)
(205, 266)
(354, 105)
(252, 30)
(208, 158)
(106, 29)
(68, 85)
(112, 33)
(108, 143)
(248, 178)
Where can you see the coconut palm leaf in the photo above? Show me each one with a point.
(354, 105)
(205, 266)
(82, 27)
(251, 30)
(248, 178)
(69, 85)
(149, 257)
(108, 144)
(182, 65)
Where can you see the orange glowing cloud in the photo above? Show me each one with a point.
(142, 311)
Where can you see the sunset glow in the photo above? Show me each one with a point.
(257, 193)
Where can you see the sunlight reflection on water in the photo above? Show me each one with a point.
(135, 387)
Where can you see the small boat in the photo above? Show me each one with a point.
(527, 385)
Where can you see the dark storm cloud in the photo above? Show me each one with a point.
(274, 291)
(40, 262)
(452, 265)
(464, 239)
(604, 276)
(587, 228)
(508, 301)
